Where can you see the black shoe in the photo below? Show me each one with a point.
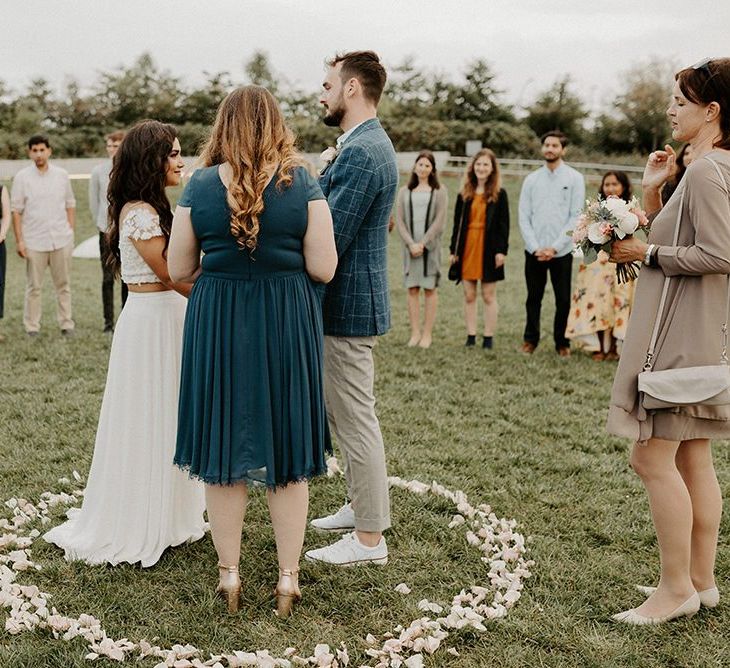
(471, 340)
(487, 342)
(108, 329)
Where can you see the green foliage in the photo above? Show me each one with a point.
(420, 109)
(638, 120)
(558, 108)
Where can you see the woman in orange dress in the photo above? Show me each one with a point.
(479, 242)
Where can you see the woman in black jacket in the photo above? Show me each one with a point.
(479, 241)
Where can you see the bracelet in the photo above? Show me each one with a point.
(647, 255)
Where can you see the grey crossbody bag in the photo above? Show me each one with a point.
(691, 386)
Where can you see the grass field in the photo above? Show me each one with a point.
(522, 433)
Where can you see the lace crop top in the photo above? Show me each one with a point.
(138, 223)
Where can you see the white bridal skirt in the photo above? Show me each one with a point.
(137, 503)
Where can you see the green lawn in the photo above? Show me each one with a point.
(524, 434)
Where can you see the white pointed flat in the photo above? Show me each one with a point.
(709, 598)
(687, 609)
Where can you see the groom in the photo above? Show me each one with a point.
(360, 185)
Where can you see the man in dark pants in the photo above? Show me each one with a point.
(98, 185)
(550, 202)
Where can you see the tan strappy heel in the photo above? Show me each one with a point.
(229, 586)
(287, 592)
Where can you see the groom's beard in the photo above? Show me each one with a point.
(334, 117)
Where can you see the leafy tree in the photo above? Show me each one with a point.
(259, 72)
(558, 108)
(638, 119)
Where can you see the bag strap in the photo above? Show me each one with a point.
(665, 289)
(461, 225)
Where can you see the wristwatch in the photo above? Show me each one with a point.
(647, 255)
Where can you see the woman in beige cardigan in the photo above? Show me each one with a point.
(672, 453)
(421, 217)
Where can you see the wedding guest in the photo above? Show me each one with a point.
(672, 453)
(421, 216)
(550, 203)
(136, 503)
(360, 186)
(600, 306)
(251, 396)
(4, 227)
(480, 240)
(44, 215)
(98, 184)
(681, 162)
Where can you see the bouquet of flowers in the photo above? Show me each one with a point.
(601, 222)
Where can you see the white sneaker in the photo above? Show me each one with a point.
(349, 551)
(342, 520)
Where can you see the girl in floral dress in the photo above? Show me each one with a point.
(600, 305)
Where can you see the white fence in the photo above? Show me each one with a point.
(80, 168)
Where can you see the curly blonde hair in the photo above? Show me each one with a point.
(250, 135)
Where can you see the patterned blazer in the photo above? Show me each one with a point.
(360, 187)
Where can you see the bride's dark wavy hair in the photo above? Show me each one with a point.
(138, 174)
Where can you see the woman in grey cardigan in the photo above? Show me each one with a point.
(421, 217)
(672, 453)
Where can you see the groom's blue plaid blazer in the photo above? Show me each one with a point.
(360, 187)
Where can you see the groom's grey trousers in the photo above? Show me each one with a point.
(349, 375)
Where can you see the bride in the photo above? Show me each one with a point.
(137, 503)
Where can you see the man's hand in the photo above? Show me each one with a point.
(20, 248)
(499, 260)
(545, 254)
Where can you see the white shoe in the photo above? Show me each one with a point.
(709, 598)
(687, 609)
(349, 551)
(342, 520)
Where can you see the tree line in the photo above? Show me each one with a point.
(419, 109)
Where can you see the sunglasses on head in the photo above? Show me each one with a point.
(703, 65)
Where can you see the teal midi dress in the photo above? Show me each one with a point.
(251, 396)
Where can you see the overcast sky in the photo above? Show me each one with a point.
(529, 43)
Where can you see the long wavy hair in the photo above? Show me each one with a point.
(138, 173)
(493, 184)
(433, 179)
(250, 135)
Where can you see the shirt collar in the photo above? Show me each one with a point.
(345, 135)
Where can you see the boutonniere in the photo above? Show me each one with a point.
(329, 155)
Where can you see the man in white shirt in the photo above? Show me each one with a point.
(98, 185)
(551, 200)
(44, 215)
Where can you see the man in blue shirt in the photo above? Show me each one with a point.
(550, 202)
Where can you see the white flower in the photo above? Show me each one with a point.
(616, 206)
(328, 155)
(595, 234)
(628, 223)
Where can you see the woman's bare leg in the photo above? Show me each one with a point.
(694, 461)
(491, 308)
(470, 307)
(671, 510)
(414, 315)
(432, 300)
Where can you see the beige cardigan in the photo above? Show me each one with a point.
(436, 223)
(691, 326)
